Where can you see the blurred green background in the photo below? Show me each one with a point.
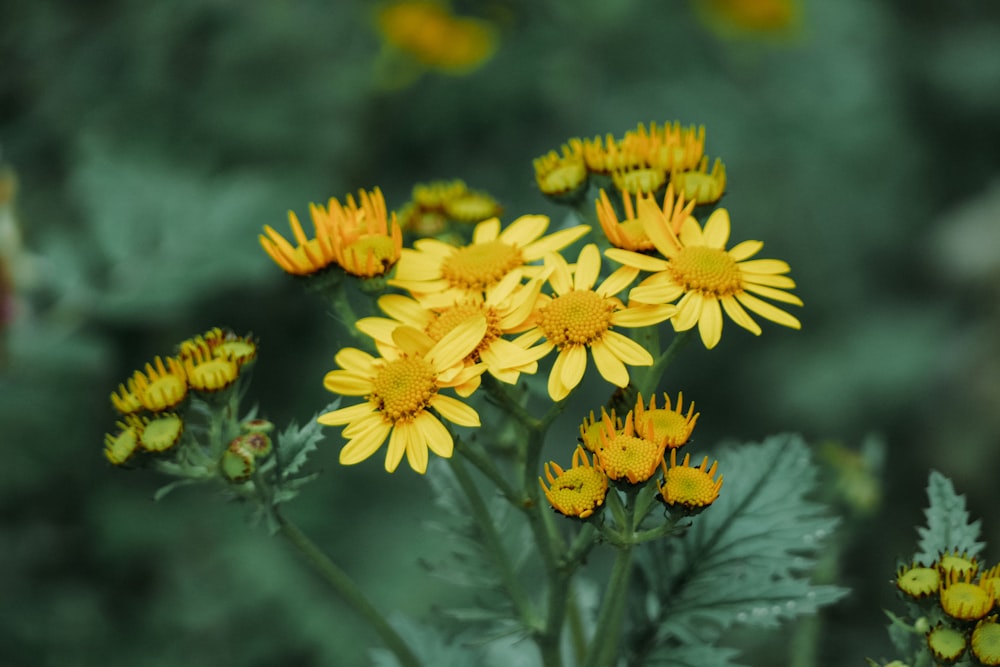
(153, 141)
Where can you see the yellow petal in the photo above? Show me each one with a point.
(771, 293)
(560, 276)
(435, 435)
(379, 328)
(455, 410)
(412, 341)
(363, 446)
(655, 224)
(347, 383)
(771, 280)
(655, 293)
(486, 231)
(736, 313)
(353, 359)
(416, 451)
(710, 322)
(767, 311)
(347, 415)
(765, 266)
(636, 259)
(691, 233)
(574, 364)
(608, 364)
(414, 265)
(688, 312)
(404, 309)
(643, 315)
(744, 250)
(617, 281)
(524, 230)
(716, 231)
(553, 242)
(627, 349)
(398, 440)
(588, 267)
(457, 344)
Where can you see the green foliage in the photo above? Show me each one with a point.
(745, 561)
(948, 526)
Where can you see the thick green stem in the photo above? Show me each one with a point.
(348, 591)
(604, 646)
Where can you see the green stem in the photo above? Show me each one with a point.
(651, 378)
(481, 460)
(604, 645)
(347, 590)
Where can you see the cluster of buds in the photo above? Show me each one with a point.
(436, 207)
(628, 452)
(959, 602)
(153, 401)
(643, 160)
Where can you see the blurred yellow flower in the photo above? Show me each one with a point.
(733, 17)
(562, 175)
(430, 34)
(457, 272)
(576, 492)
(399, 390)
(161, 386)
(630, 233)
(699, 184)
(580, 317)
(706, 277)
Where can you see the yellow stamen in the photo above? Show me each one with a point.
(576, 318)
(403, 388)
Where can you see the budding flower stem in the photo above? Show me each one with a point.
(647, 383)
(347, 590)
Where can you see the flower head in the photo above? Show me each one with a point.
(161, 433)
(918, 582)
(400, 391)
(626, 454)
(630, 233)
(576, 492)
(953, 562)
(706, 277)
(162, 386)
(434, 267)
(427, 32)
(207, 372)
(986, 641)
(671, 427)
(670, 148)
(562, 176)
(120, 447)
(963, 600)
(472, 206)
(581, 317)
(946, 643)
(693, 489)
(700, 185)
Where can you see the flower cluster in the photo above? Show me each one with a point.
(960, 599)
(436, 205)
(152, 401)
(629, 452)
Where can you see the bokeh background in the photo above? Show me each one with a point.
(151, 142)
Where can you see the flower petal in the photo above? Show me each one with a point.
(553, 242)
(636, 259)
(404, 309)
(771, 280)
(379, 328)
(364, 445)
(691, 233)
(716, 231)
(688, 312)
(353, 359)
(608, 364)
(486, 231)
(347, 415)
(744, 250)
(398, 440)
(574, 364)
(560, 276)
(771, 293)
(617, 281)
(455, 410)
(767, 311)
(626, 349)
(435, 435)
(347, 383)
(765, 266)
(524, 230)
(416, 449)
(588, 267)
(710, 322)
(457, 344)
(737, 314)
(643, 315)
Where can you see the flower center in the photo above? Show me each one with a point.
(480, 265)
(689, 487)
(460, 313)
(578, 491)
(630, 457)
(579, 317)
(668, 426)
(161, 434)
(986, 643)
(564, 177)
(378, 247)
(163, 392)
(403, 388)
(635, 181)
(711, 271)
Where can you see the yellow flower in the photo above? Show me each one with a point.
(639, 179)
(629, 233)
(120, 448)
(580, 317)
(125, 401)
(964, 600)
(207, 372)
(562, 175)
(472, 206)
(576, 492)
(222, 343)
(918, 582)
(399, 392)
(433, 196)
(626, 454)
(610, 155)
(670, 148)
(986, 641)
(161, 433)
(953, 562)
(708, 278)
(506, 307)
(728, 17)
(160, 387)
(946, 643)
(467, 271)
(694, 489)
(700, 185)
(671, 427)
(360, 238)
(590, 429)
(426, 31)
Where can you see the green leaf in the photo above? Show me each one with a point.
(948, 526)
(745, 560)
(693, 655)
(295, 444)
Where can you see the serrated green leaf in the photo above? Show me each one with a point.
(428, 645)
(694, 655)
(296, 443)
(948, 526)
(747, 558)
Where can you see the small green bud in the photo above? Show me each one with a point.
(256, 444)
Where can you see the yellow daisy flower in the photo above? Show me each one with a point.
(986, 641)
(626, 454)
(708, 278)
(433, 196)
(562, 176)
(953, 562)
(946, 644)
(629, 233)
(918, 582)
(694, 489)
(467, 271)
(670, 148)
(400, 390)
(671, 426)
(963, 600)
(207, 372)
(576, 492)
(700, 185)
(506, 307)
(122, 446)
(161, 433)
(580, 317)
(160, 387)
(222, 343)
(639, 179)
(125, 401)
(309, 255)
(610, 155)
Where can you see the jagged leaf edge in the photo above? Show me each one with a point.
(948, 526)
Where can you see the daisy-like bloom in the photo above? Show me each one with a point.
(946, 644)
(207, 372)
(610, 155)
(590, 429)
(986, 641)
(309, 255)
(694, 489)
(506, 307)
(427, 31)
(562, 176)
(700, 185)
(671, 427)
(670, 148)
(161, 387)
(639, 179)
(222, 343)
(990, 580)
(120, 448)
(576, 492)
(963, 600)
(630, 233)
(399, 392)
(472, 206)
(160, 433)
(433, 196)
(125, 401)
(580, 317)
(953, 562)
(460, 272)
(708, 278)
(918, 582)
(626, 454)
